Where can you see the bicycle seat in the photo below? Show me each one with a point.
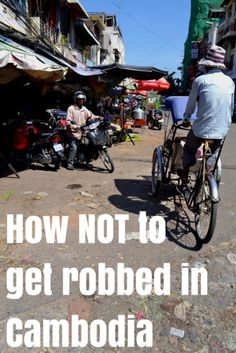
(209, 141)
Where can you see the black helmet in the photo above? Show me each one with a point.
(79, 95)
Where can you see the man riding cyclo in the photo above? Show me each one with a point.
(213, 93)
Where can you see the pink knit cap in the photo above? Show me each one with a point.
(215, 57)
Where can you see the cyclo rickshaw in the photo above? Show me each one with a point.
(201, 194)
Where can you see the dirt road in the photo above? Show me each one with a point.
(204, 323)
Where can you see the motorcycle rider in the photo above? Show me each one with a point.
(214, 93)
(77, 115)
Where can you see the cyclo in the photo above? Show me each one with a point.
(201, 194)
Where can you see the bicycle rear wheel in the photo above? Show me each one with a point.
(205, 211)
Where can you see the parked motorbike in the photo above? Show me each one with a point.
(57, 121)
(155, 119)
(34, 142)
(94, 144)
(57, 117)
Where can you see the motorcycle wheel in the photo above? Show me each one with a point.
(109, 143)
(150, 125)
(53, 166)
(107, 161)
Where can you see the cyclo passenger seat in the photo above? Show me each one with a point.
(176, 105)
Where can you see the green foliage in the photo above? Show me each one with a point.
(64, 40)
(7, 195)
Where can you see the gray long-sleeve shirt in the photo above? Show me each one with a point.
(213, 93)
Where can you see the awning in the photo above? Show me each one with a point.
(17, 60)
(9, 20)
(87, 36)
(87, 71)
(118, 71)
(76, 5)
(79, 69)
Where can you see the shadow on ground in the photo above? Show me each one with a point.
(7, 169)
(135, 196)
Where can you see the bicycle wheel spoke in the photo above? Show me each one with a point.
(156, 183)
(107, 161)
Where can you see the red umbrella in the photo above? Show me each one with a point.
(153, 85)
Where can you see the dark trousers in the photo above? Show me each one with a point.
(191, 146)
(72, 141)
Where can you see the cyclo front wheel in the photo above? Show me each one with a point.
(107, 161)
(205, 210)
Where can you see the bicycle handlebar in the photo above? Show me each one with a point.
(182, 124)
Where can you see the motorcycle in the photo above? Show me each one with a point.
(97, 136)
(34, 142)
(155, 119)
(94, 144)
(57, 121)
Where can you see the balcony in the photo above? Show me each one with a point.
(227, 33)
(230, 30)
(78, 9)
(56, 40)
(43, 29)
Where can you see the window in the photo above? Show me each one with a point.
(109, 22)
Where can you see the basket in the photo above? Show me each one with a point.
(97, 137)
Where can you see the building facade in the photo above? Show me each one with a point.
(63, 26)
(226, 36)
(112, 48)
(66, 28)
